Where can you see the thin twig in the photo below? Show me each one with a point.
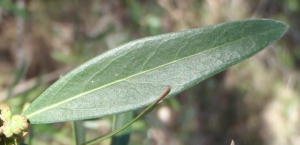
(20, 35)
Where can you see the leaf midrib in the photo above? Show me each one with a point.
(142, 72)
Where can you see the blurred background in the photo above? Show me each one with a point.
(254, 102)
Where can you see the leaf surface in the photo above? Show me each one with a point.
(135, 74)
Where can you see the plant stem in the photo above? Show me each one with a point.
(122, 137)
(78, 132)
(147, 110)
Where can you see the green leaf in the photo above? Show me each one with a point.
(135, 74)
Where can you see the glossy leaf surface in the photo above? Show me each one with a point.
(135, 74)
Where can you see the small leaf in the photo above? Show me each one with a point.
(133, 75)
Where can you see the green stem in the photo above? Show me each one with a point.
(122, 137)
(78, 132)
(147, 110)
